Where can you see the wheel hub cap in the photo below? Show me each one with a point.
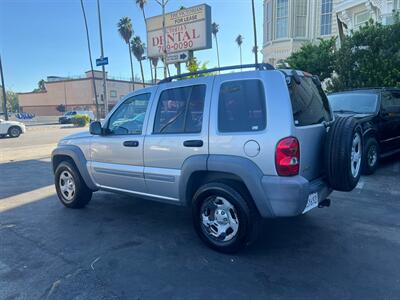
(219, 219)
(356, 155)
(67, 186)
(372, 156)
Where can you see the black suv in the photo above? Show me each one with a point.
(378, 112)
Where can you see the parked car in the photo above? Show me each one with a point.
(234, 147)
(67, 117)
(377, 110)
(11, 128)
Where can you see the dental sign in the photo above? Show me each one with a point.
(186, 29)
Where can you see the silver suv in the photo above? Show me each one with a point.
(234, 147)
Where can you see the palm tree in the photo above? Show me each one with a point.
(154, 61)
(137, 47)
(91, 62)
(239, 42)
(215, 30)
(125, 30)
(142, 4)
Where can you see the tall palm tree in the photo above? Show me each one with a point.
(91, 62)
(125, 30)
(239, 42)
(154, 61)
(142, 4)
(215, 30)
(137, 47)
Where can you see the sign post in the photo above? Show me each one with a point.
(185, 30)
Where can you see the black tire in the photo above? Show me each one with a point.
(81, 195)
(342, 173)
(14, 131)
(243, 211)
(371, 156)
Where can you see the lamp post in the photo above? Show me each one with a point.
(105, 98)
(255, 33)
(163, 3)
(4, 92)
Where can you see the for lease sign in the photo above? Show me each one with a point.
(186, 29)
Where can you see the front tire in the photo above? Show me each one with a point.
(222, 217)
(14, 132)
(71, 189)
(371, 156)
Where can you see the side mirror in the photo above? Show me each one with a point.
(95, 128)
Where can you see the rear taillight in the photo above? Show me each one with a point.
(287, 157)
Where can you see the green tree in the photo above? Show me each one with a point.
(193, 66)
(125, 30)
(41, 86)
(61, 108)
(239, 42)
(12, 101)
(137, 47)
(317, 59)
(369, 57)
(215, 30)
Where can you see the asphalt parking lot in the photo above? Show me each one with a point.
(126, 248)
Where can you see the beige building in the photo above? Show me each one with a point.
(288, 24)
(74, 94)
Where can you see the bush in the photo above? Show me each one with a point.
(81, 120)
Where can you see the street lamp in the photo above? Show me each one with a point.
(163, 3)
(4, 92)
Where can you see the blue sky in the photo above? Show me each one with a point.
(39, 38)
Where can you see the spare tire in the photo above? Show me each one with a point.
(343, 154)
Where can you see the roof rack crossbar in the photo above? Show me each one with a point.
(263, 66)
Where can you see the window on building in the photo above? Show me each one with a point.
(180, 110)
(113, 93)
(282, 12)
(326, 17)
(301, 18)
(268, 19)
(235, 114)
(361, 18)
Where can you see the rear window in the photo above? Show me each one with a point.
(309, 103)
(241, 106)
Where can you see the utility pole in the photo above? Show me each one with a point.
(255, 32)
(105, 98)
(163, 4)
(4, 92)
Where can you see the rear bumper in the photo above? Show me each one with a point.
(288, 196)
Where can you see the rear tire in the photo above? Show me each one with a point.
(371, 156)
(222, 217)
(70, 186)
(14, 132)
(343, 154)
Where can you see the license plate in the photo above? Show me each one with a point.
(311, 202)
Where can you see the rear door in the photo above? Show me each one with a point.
(178, 129)
(310, 109)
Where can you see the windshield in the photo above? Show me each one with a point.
(364, 103)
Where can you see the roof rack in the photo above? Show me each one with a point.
(263, 66)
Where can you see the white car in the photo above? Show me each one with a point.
(11, 128)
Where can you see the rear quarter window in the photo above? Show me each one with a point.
(241, 106)
(309, 103)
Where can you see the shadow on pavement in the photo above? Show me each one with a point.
(24, 176)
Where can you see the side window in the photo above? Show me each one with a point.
(180, 110)
(309, 103)
(129, 117)
(241, 106)
(390, 99)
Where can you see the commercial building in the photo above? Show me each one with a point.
(288, 24)
(74, 94)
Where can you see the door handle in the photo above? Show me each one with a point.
(131, 143)
(193, 143)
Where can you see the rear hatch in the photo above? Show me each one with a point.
(311, 110)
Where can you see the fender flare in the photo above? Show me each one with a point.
(76, 154)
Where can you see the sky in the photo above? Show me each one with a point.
(40, 38)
